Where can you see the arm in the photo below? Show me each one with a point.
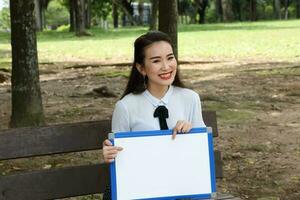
(196, 113)
(120, 122)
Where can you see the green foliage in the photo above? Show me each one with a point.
(210, 15)
(101, 9)
(63, 28)
(269, 13)
(56, 14)
(5, 19)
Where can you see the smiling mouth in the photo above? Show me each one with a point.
(165, 76)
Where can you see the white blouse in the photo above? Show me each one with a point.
(134, 112)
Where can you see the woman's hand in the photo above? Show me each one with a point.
(181, 127)
(109, 151)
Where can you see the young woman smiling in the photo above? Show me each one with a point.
(153, 84)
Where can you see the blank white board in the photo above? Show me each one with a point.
(152, 165)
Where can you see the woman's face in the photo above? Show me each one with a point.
(159, 65)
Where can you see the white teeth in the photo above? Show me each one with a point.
(165, 75)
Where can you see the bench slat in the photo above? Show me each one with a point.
(55, 183)
(64, 138)
(62, 182)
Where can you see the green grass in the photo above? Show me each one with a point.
(260, 40)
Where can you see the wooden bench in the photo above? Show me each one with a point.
(66, 181)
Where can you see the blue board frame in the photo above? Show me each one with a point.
(207, 130)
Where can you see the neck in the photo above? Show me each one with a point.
(158, 92)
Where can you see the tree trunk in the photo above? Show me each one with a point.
(27, 108)
(80, 16)
(298, 9)
(153, 21)
(72, 15)
(141, 12)
(227, 10)
(201, 7)
(286, 9)
(219, 10)
(276, 9)
(87, 12)
(168, 21)
(253, 14)
(115, 15)
(38, 15)
(127, 11)
(236, 9)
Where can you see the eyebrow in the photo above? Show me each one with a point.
(155, 57)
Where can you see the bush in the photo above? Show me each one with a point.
(4, 19)
(56, 14)
(63, 28)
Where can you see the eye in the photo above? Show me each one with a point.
(171, 58)
(155, 61)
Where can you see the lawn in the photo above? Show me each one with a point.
(272, 40)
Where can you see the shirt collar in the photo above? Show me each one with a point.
(157, 102)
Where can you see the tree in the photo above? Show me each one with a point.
(38, 15)
(101, 10)
(227, 10)
(219, 10)
(40, 7)
(80, 18)
(127, 9)
(236, 9)
(276, 9)
(87, 14)
(253, 15)
(286, 9)
(153, 21)
(72, 15)
(5, 17)
(201, 7)
(298, 9)
(168, 13)
(141, 12)
(115, 15)
(27, 109)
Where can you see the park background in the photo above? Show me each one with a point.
(242, 57)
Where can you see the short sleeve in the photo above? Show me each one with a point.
(196, 113)
(120, 118)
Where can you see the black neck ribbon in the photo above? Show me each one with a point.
(162, 113)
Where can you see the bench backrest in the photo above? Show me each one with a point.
(63, 138)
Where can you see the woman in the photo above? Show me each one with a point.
(154, 89)
(154, 81)
(154, 85)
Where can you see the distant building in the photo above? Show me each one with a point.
(136, 13)
(146, 12)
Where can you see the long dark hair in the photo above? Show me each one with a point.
(136, 82)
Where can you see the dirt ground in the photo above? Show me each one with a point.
(257, 104)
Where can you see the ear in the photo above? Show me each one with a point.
(141, 69)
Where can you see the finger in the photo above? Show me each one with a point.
(177, 129)
(186, 127)
(108, 148)
(110, 160)
(180, 126)
(112, 156)
(107, 143)
(174, 134)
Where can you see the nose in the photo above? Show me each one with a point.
(165, 65)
